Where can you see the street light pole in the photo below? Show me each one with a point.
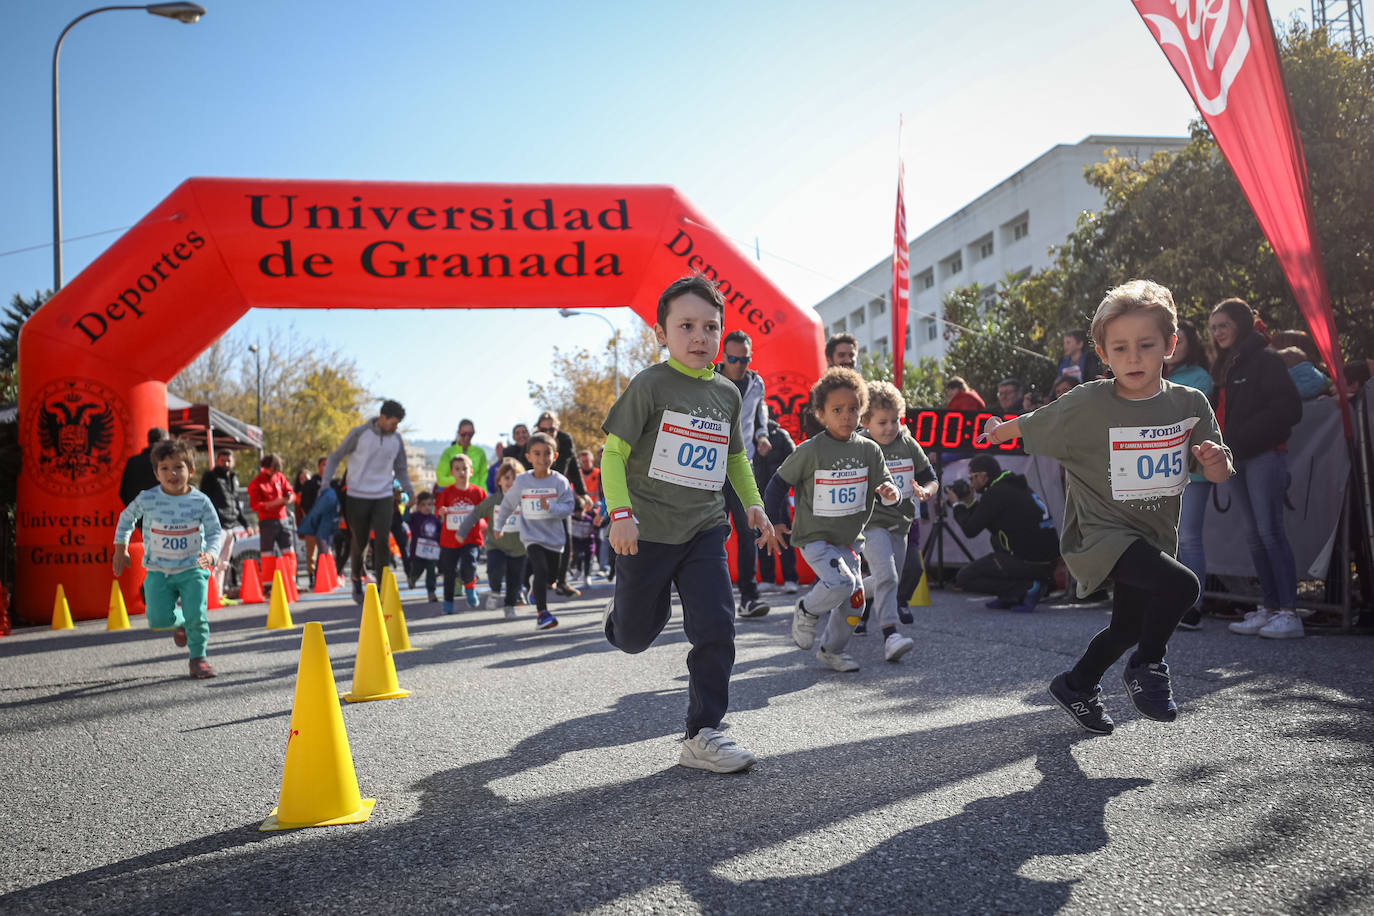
(257, 359)
(615, 342)
(182, 12)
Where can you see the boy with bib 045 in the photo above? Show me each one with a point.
(672, 439)
(1127, 444)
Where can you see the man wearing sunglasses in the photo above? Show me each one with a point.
(738, 350)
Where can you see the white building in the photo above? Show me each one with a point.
(1006, 230)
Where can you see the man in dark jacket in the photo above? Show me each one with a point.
(766, 464)
(221, 485)
(1024, 542)
(139, 473)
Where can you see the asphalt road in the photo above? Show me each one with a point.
(534, 772)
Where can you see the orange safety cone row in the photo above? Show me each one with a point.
(374, 670)
(212, 596)
(61, 613)
(118, 617)
(279, 610)
(395, 617)
(250, 586)
(319, 786)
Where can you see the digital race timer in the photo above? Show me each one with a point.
(955, 431)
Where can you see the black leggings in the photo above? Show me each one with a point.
(1152, 592)
(542, 562)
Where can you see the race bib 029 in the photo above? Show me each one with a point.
(1148, 462)
(840, 492)
(690, 451)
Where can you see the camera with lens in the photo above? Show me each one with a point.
(961, 489)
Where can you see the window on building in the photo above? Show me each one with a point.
(839, 327)
(930, 330)
(953, 264)
(880, 345)
(856, 318)
(908, 338)
(877, 307)
(1020, 230)
(924, 280)
(985, 249)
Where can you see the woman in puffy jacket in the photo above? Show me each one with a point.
(1257, 405)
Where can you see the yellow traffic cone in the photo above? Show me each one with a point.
(118, 618)
(61, 614)
(396, 632)
(374, 671)
(278, 612)
(921, 596)
(318, 784)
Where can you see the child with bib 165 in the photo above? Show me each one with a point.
(1127, 444)
(838, 478)
(181, 535)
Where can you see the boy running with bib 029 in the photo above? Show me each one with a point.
(1127, 444)
(838, 478)
(181, 535)
(672, 439)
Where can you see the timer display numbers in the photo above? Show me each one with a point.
(955, 431)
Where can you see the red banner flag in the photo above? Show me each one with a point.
(1225, 54)
(901, 280)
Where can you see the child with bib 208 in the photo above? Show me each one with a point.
(1127, 445)
(673, 438)
(838, 477)
(181, 535)
(886, 533)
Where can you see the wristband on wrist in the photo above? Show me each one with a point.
(622, 513)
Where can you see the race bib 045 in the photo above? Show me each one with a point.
(1149, 462)
(842, 492)
(690, 451)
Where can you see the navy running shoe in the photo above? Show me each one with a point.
(1029, 600)
(1084, 707)
(1148, 686)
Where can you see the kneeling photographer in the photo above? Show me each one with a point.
(1024, 542)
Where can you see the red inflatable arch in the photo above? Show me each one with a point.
(95, 360)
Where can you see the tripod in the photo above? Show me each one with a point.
(939, 527)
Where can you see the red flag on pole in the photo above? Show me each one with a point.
(901, 280)
(1225, 54)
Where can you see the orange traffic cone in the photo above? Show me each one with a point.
(319, 786)
(212, 596)
(118, 617)
(278, 611)
(322, 584)
(333, 571)
(4, 611)
(287, 564)
(374, 671)
(61, 614)
(395, 617)
(250, 587)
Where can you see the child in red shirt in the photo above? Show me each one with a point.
(270, 496)
(454, 504)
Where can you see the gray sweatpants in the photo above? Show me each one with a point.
(885, 552)
(837, 578)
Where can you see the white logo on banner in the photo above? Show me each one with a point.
(1209, 27)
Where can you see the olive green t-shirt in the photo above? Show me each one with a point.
(834, 487)
(1126, 464)
(507, 540)
(906, 461)
(681, 429)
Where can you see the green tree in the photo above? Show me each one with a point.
(582, 387)
(1181, 219)
(921, 382)
(991, 334)
(12, 320)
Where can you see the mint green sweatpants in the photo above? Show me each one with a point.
(160, 593)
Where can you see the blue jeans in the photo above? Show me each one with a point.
(1190, 550)
(1257, 493)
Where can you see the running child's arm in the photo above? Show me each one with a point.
(996, 431)
(624, 531)
(484, 509)
(1215, 460)
(509, 503)
(124, 529)
(213, 535)
(775, 502)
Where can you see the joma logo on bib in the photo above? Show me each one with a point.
(710, 426)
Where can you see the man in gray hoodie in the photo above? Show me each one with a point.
(737, 350)
(376, 456)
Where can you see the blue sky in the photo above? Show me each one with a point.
(778, 120)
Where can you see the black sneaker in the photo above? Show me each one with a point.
(358, 591)
(753, 608)
(861, 628)
(1150, 691)
(1083, 707)
(1192, 619)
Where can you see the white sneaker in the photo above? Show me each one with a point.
(803, 627)
(838, 661)
(494, 601)
(790, 588)
(1253, 622)
(897, 645)
(510, 612)
(606, 612)
(711, 750)
(1283, 625)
